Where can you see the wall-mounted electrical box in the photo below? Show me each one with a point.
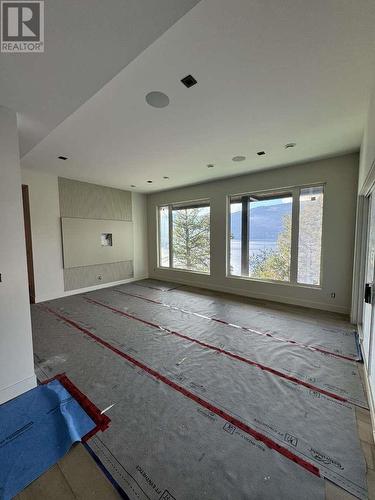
(106, 239)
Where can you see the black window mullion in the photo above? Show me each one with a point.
(245, 236)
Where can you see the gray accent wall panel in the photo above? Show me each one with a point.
(92, 210)
(91, 201)
(82, 241)
(82, 277)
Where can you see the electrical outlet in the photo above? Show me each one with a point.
(333, 295)
(99, 277)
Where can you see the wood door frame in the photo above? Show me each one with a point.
(28, 241)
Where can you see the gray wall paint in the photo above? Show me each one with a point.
(90, 204)
(90, 201)
(340, 177)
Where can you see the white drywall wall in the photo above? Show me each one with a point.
(340, 177)
(46, 236)
(16, 354)
(367, 155)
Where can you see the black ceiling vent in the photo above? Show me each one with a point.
(63, 157)
(189, 81)
(261, 153)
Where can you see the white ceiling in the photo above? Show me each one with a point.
(87, 42)
(269, 72)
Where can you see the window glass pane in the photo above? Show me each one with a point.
(270, 223)
(310, 235)
(191, 238)
(235, 238)
(164, 236)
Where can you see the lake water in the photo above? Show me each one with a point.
(255, 247)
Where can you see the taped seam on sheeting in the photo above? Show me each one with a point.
(245, 328)
(159, 289)
(226, 353)
(102, 421)
(226, 416)
(331, 373)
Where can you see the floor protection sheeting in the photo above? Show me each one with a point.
(203, 409)
(36, 430)
(326, 335)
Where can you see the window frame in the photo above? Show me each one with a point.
(293, 273)
(199, 203)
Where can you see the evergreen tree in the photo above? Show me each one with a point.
(191, 238)
(274, 264)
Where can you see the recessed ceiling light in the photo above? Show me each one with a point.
(290, 145)
(210, 165)
(189, 81)
(239, 158)
(150, 182)
(165, 177)
(132, 186)
(63, 157)
(157, 99)
(261, 153)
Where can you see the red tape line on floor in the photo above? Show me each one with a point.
(223, 351)
(245, 328)
(102, 421)
(185, 392)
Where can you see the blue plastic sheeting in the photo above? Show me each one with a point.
(36, 430)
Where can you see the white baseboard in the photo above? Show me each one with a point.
(59, 295)
(255, 295)
(18, 388)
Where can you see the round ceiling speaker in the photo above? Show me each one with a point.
(157, 99)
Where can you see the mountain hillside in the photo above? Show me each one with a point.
(266, 222)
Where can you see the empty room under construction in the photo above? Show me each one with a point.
(187, 261)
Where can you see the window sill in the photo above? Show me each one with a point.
(201, 273)
(274, 282)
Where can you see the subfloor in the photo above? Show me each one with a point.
(76, 476)
(215, 396)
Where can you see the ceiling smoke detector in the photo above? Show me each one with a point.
(165, 177)
(189, 81)
(157, 99)
(210, 165)
(239, 158)
(132, 186)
